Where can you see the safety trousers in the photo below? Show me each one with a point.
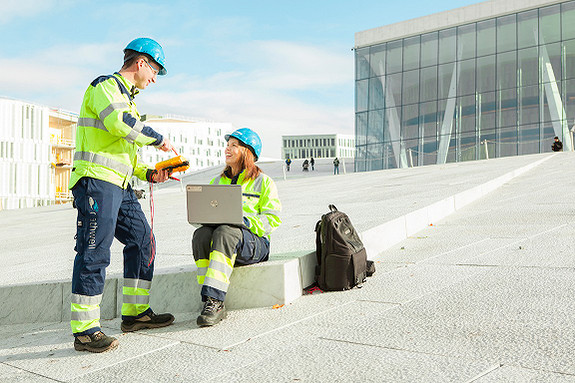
(217, 249)
(106, 211)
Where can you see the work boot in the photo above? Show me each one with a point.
(96, 342)
(214, 311)
(147, 321)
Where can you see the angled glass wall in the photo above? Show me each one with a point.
(498, 87)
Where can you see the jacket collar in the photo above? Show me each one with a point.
(129, 86)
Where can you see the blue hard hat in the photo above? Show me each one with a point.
(152, 48)
(249, 138)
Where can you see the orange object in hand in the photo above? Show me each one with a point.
(176, 164)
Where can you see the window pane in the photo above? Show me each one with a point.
(486, 38)
(361, 128)
(506, 33)
(360, 95)
(374, 157)
(375, 126)
(570, 100)
(428, 119)
(507, 107)
(361, 63)
(360, 158)
(377, 59)
(527, 29)
(393, 57)
(429, 49)
(528, 139)
(528, 66)
(506, 70)
(551, 73)
(411, 53)
(486, 111)
(428, 84)
(549, 24)
(507, 141)
(465, 110)
(411, 87)
(466, 42)
(376, 92)
(486, 74)
(445, 75)
(548, 113)
(568, 20)
(528, 99)
(466, 77)
(410, 122)
(447, 45)
(569, 55)
(393, 90)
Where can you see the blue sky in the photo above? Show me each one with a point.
(279, 68)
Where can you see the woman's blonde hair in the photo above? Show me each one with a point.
(247, 163)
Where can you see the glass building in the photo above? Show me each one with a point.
(488, 80)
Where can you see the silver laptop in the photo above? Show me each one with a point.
(214, 204)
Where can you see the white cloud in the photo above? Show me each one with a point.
(23, 9)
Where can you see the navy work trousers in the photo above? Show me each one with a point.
(106, 211)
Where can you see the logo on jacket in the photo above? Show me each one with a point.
(93, 204)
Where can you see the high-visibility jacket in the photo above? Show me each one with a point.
(110, 133)
(261, 204)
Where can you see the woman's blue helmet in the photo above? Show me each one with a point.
(249, 138)
(152, 48)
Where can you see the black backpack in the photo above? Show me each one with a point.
(341, 258)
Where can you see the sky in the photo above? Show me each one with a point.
(278, 68)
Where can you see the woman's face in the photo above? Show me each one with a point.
(233, 152)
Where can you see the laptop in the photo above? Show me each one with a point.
(214, 204)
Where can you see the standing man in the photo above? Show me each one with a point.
(335, 166)
(312, 163)
(288, 163)
(108, 137)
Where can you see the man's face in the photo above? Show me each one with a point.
(147, 73)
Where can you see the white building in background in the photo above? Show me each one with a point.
(202, 143)
(36, 151)
(318, 146)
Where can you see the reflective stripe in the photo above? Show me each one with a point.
(258, 182)
(137, 299)
(110, 108)
(202, 270)
(92, 122)
(217, 180)
(273, 212)
(220, 257)
(136, 130)
(267, 227)
(86, 299)
(224, 268)
(137, 283)
(216, 284)
(85, 315)
(104, 161)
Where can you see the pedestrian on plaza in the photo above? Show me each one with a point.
(218, 249)
(312, 163)
(305, 166)
(335, 166)
(557, 145)
(288, 163)
(109, 134)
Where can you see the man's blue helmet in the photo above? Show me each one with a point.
(249, 138)
(152, 48)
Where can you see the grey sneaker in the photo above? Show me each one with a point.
(214, 311)
(147, 321)
(96, 342)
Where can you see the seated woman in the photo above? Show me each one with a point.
(217, 248)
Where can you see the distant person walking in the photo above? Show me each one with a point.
(288, 163)
(312, 163)
(557, 145)
(335, 166)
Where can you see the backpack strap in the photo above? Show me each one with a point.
(318, 246)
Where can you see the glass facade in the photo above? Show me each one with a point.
(498, 87)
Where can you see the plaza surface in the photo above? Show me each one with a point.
(484, 295)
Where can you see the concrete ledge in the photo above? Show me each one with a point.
(279, 281)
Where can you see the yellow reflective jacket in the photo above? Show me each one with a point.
(261, 203)
(110, 133)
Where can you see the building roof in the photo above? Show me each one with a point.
(459, 16)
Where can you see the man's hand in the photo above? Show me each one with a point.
(166, 145)
(160, 176)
